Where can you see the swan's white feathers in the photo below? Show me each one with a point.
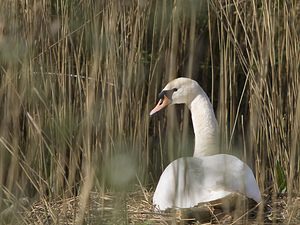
(188, 181)
(207, 176)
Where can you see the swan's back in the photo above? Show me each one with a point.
(190, 180)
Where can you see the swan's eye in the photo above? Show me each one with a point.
(175, 89)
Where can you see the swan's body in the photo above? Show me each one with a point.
(207, 176)
(188, 181)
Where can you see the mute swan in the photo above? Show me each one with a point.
(207, 176)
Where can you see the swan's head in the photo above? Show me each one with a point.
(179, 91)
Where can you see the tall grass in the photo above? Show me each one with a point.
(78, 79)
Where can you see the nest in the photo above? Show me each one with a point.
(136, 208)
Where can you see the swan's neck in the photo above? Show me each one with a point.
(205, 126)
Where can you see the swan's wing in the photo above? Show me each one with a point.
(234, 175)
(189, 181)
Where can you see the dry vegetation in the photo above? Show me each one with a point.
(77, 81)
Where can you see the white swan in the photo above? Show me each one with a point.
(207, 176)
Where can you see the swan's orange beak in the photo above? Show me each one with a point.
(162, 103)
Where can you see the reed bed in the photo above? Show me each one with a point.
(77, 82)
